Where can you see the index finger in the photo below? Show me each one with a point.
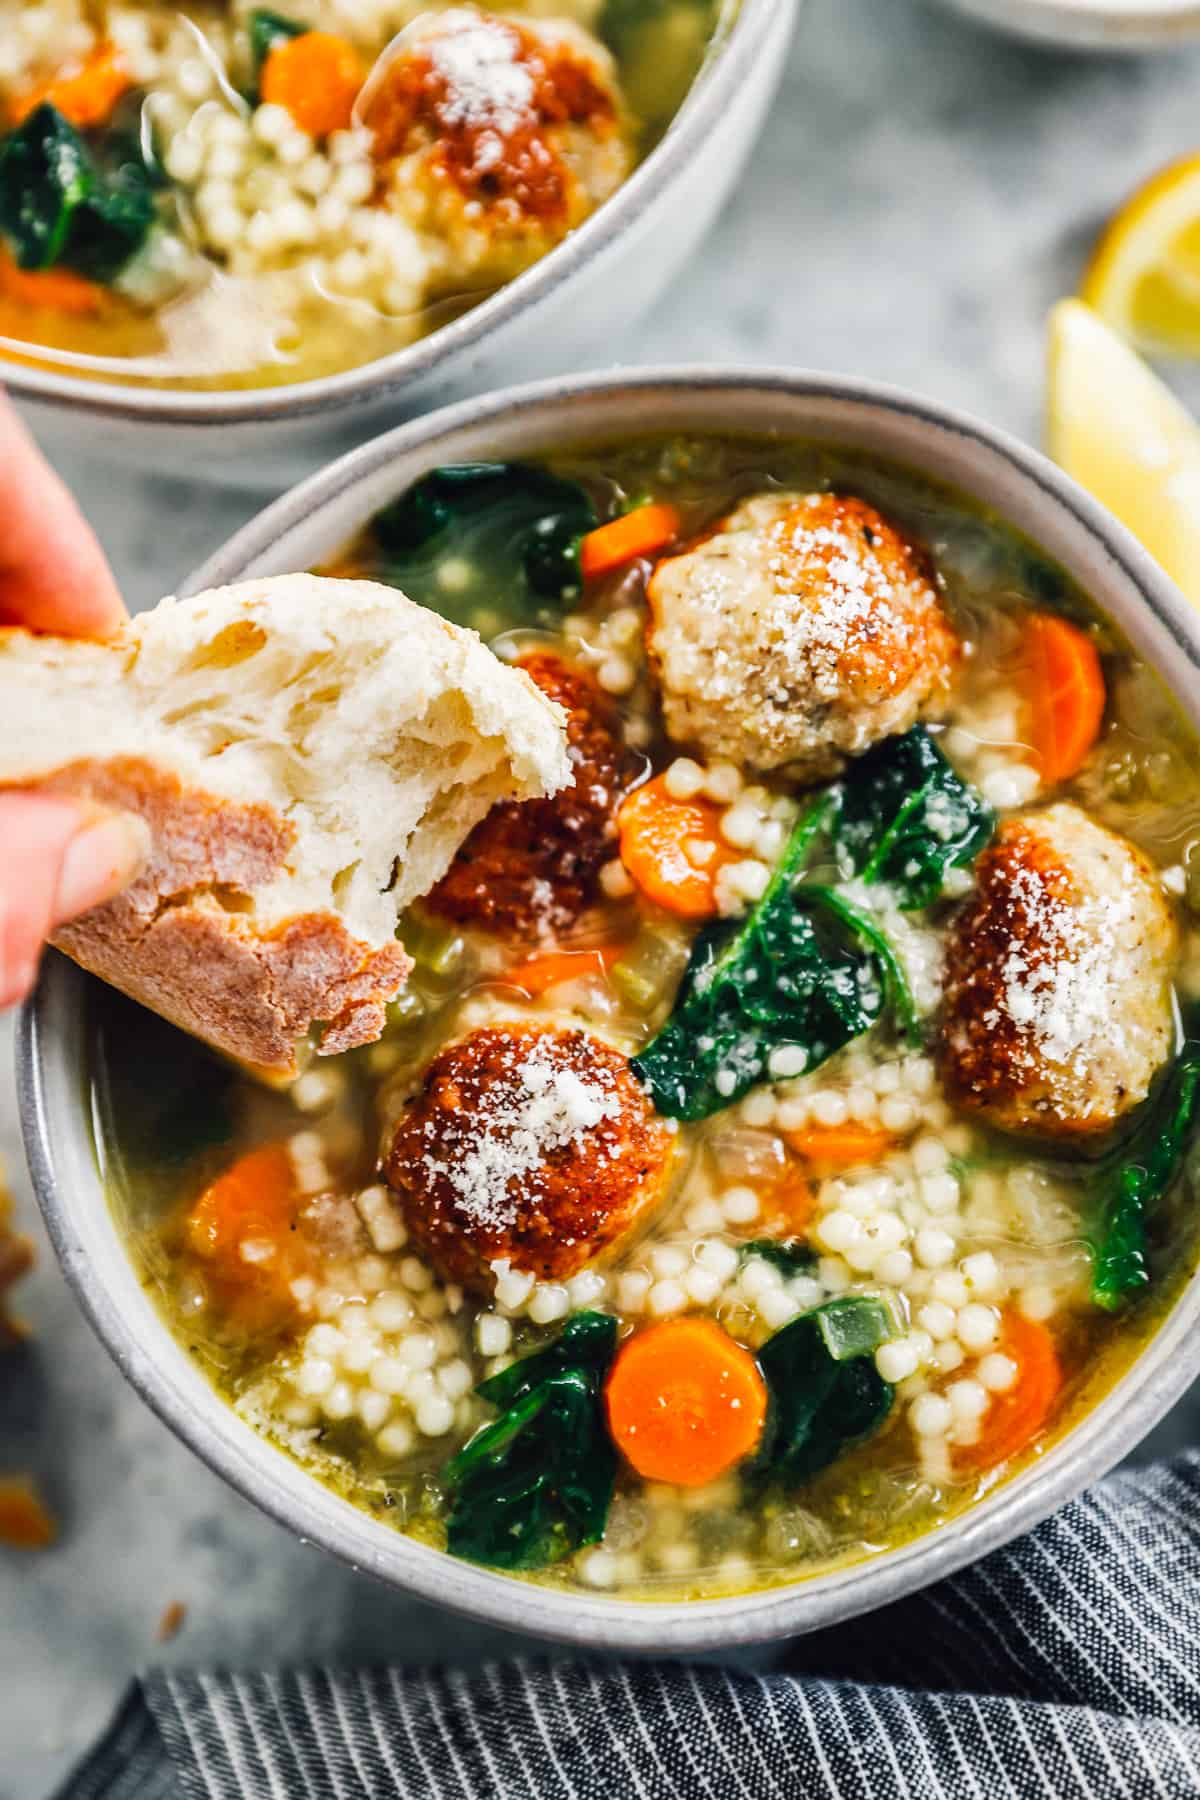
(53, 573)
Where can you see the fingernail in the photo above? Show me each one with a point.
(99, 861)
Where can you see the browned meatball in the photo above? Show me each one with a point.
(1058, 996)
(495, 136)
(531, 867)
(799, 632)
(530, 1145)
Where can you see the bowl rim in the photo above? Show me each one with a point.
(1095, 24)
(746, 35)
(1143, 1392)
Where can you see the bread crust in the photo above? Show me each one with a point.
(183, 938)
(307, 754)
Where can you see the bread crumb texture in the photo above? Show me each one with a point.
(309, 754)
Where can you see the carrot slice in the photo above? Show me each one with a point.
(541, 973)
(317, 78)
(243, 1229)
(842, 1146)
(1015, 1418)
(787, 1207)
(685, 1402)
(1066, 695)
(658, 835)
(60, 290)
(24, 1522)
(85, 98)
(637, 533)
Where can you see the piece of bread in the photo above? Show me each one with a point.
(308, 755)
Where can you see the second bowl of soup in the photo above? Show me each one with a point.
(228, 217)
(774, 1182)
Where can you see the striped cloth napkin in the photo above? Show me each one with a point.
(1067, 1664)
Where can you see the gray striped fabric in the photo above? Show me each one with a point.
(1068, 1664)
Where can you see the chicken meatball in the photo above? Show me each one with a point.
(495, 137)
(531, 867)
(527, 1145)
(800, 632)
(1058, 1002)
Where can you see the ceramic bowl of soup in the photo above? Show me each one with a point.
(1091, 24)
(256, 233)
(775, 1187)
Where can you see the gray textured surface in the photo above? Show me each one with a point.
(922, 194)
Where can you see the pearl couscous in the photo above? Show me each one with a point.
(770, 1151)
(231, 196)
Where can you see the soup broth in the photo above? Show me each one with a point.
(261, 196)
(913, 1292)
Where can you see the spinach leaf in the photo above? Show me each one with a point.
(1042, 579)
(45, 177)
(826, 1393)
(267, 29)
(790, 1255)
(779, 978)
(515, 527)
(60, 208)
(1135, 1179)
(895, 982)
(905, 818)
(586, 1341)
(537, 1483)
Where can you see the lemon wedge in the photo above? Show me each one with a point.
(1144, 274)
(1122, 434)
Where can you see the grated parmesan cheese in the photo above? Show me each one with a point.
(804, 628)
(488, 87)
(1059, 988)
(545, 1107)
(1058, 1003)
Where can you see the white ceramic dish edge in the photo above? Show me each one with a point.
(309, 523)
(1090, 24)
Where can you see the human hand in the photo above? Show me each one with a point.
(58, 856)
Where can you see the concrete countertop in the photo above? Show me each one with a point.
(922, 193)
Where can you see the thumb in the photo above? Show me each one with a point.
(58, 858)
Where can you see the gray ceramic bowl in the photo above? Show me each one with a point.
(300, 530)
(576, 305)
(1091, 24)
